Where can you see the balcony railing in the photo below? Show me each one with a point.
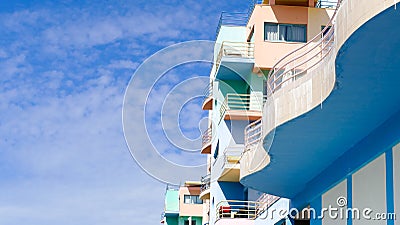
(242, 102)
(232, 209)
(208, 97)
(206, 141)
(227, 165)
(205, 182)
(232, 19)
(266, 201)
(253, 135)
(326, 4)
(302, 60)
(235, 50)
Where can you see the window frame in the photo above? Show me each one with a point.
(197, 200)
(278, 25)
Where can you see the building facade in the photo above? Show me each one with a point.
(304, 115)
(183, 205)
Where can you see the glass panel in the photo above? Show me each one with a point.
(296, 33)
(271, 32)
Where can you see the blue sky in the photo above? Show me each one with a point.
(64, 67)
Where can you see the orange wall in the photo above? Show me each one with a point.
(189, 209)
(267, 53)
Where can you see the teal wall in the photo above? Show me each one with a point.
(182, 219)
(232, 86)
(172, 221)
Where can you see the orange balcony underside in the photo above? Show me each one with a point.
(242, 115)
(208, 104)
(206, 149)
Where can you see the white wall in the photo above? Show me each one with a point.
(273, 216)
(369, 190)
(396, 174)
(330, 199)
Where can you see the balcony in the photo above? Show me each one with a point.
(208, 98)
(253, 135)
(265, 201)
(227, 167)
(301, 61)
(206, 141)
(205, 187)
(236, 209)
(234, 60)
(232, 19)
(242, 107)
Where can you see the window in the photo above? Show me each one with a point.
(187, 222)
(285, 32)
(192, 199)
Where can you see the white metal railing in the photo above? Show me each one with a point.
(229, 157)
(207, 137)
(231, 209)
(253, 135)
(326, 4)
(243, 102)
(205, 182)
(235, 50)
(303, 59)
(208, 91)
(232, 155)
(266, 201)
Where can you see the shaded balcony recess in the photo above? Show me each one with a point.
(302, 60)
(226, 166)
(253, 135)
(205, 187)
(242, 107)
(208, 97)
(206, 141)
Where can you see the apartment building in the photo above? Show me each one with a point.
(183, 205)
(304, 114)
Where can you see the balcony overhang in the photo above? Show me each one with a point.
(231, 170)
(208, 103)
(232, 68)
(306, 3)
(358, 121)
(171, 213)
(205, 194)
(249, 115)
(206, 149)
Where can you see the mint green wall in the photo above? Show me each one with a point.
(196, 218)
(172, 201)
(233, 86)
(256, 82)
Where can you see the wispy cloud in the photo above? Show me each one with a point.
(65, 66)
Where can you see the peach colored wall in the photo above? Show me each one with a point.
(267, 53)
(189, 209)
